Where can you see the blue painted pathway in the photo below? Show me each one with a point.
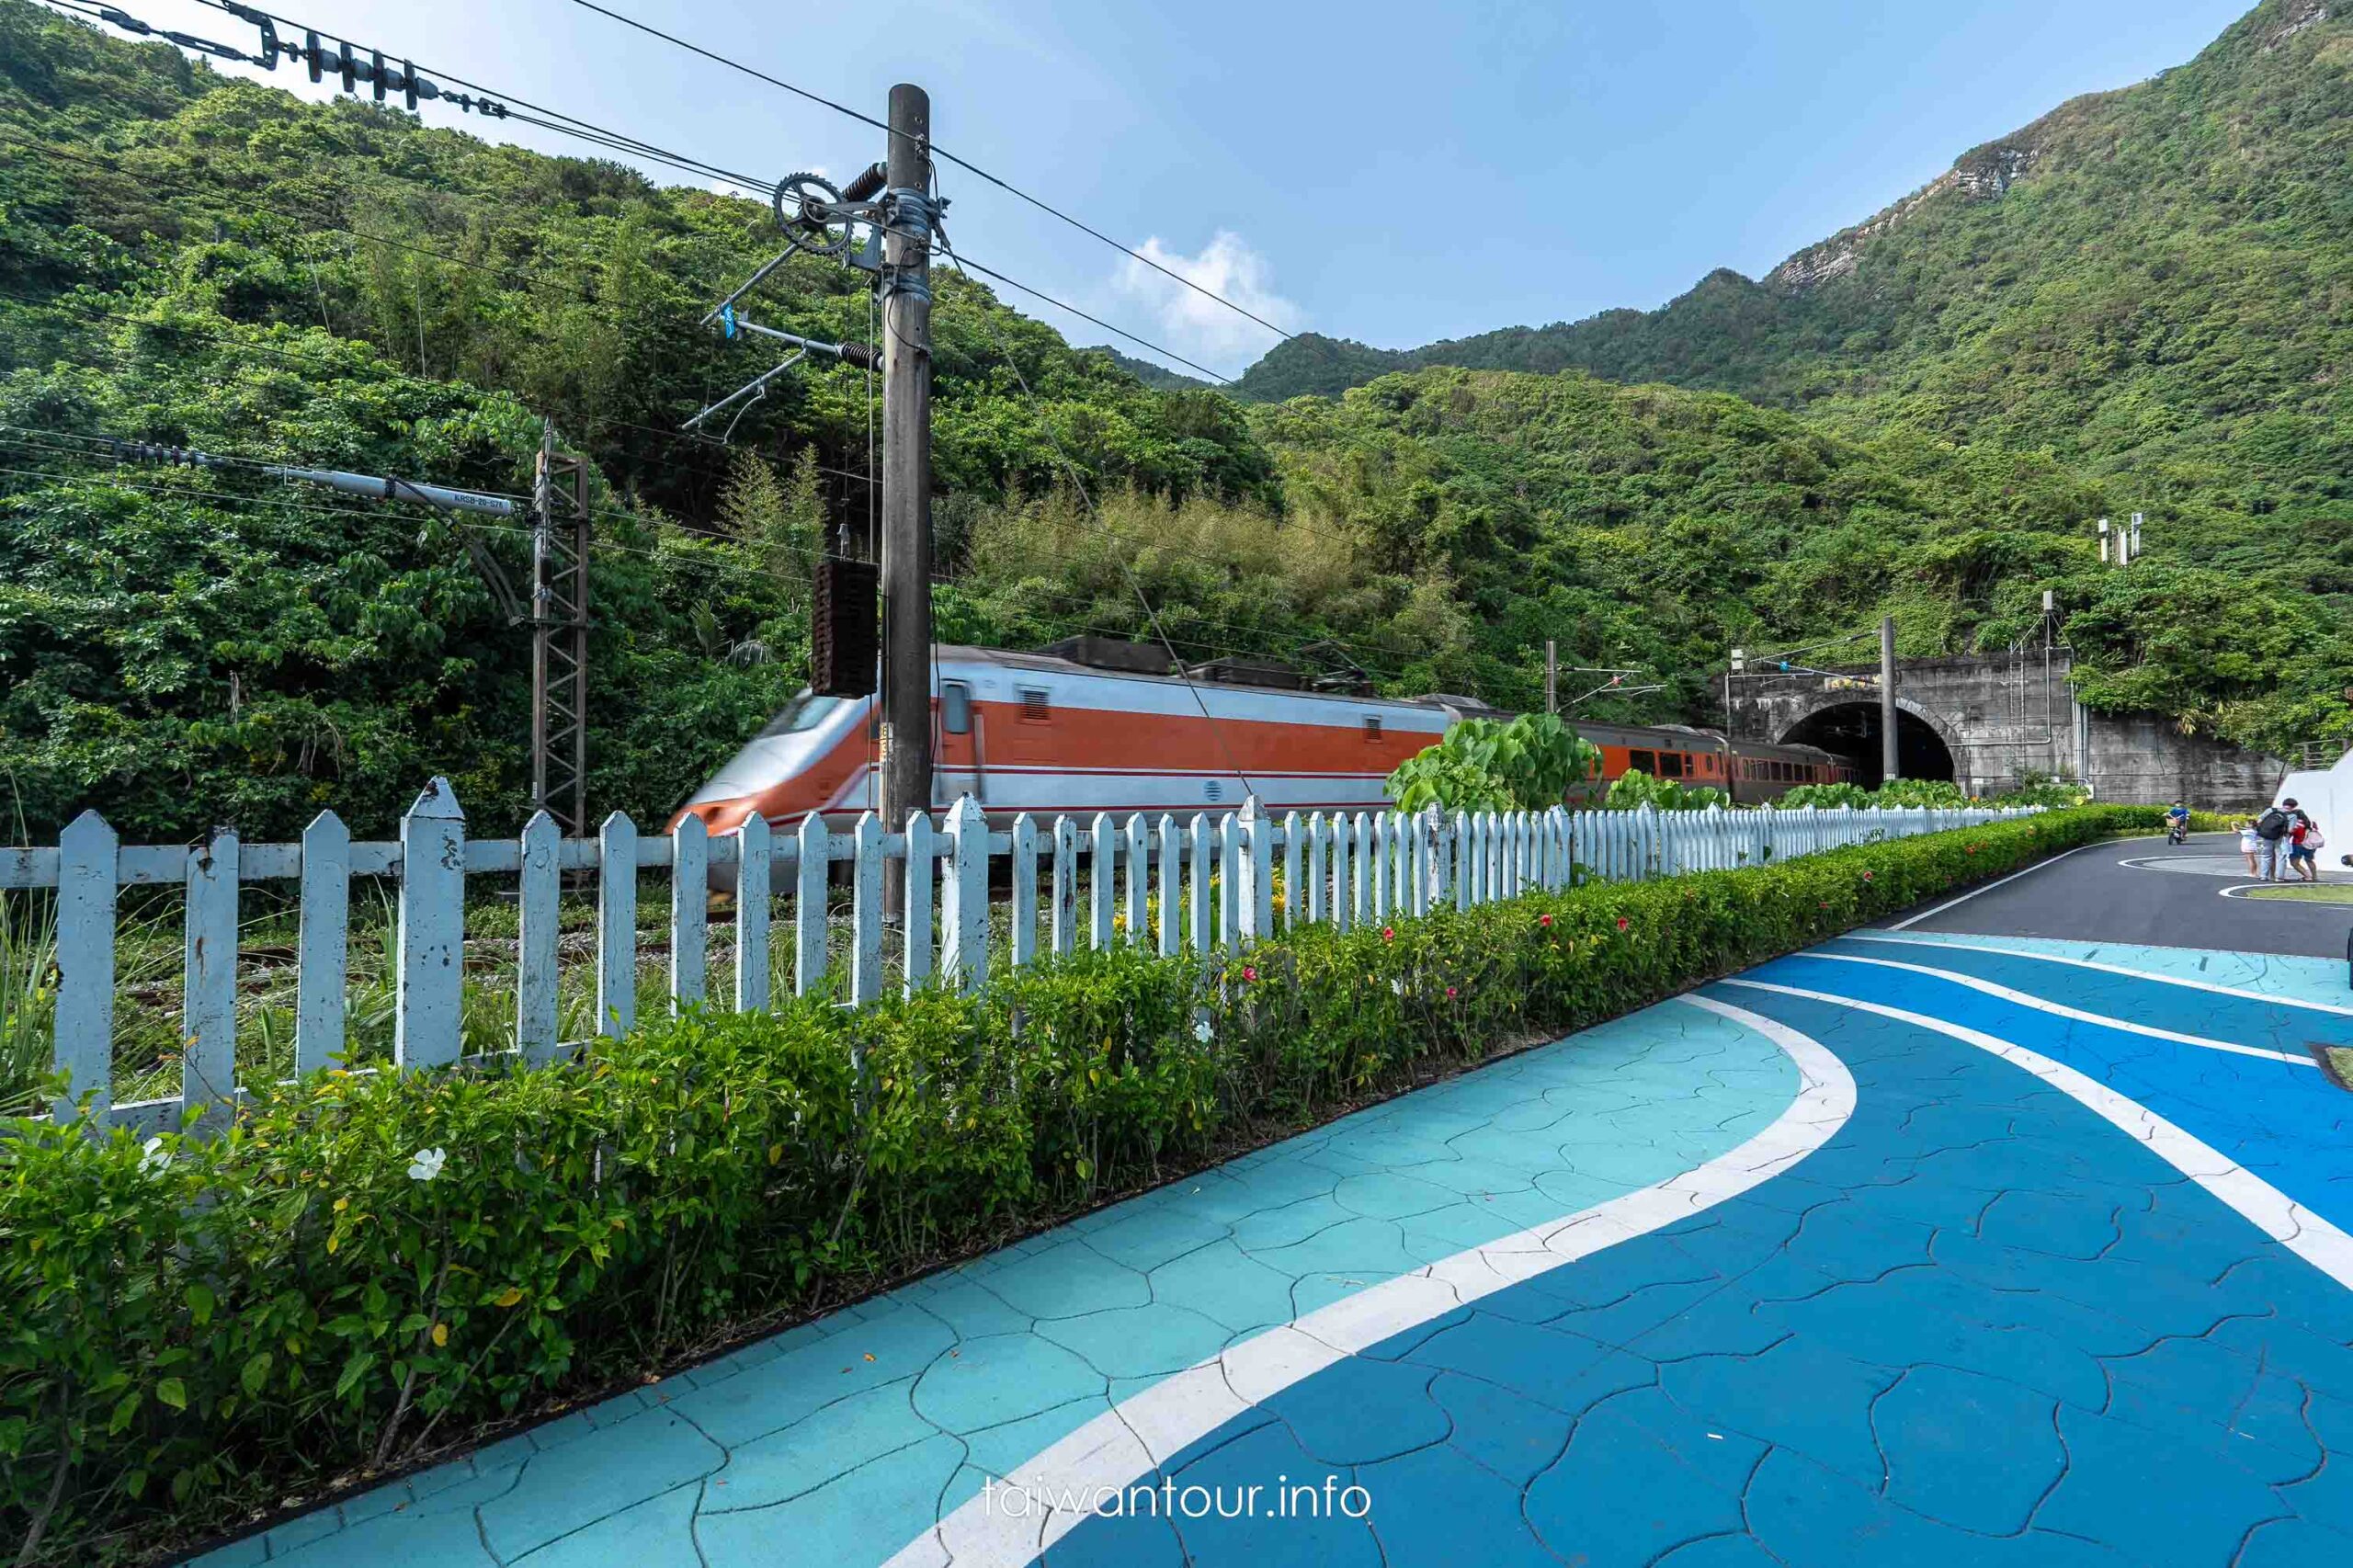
(1657, 1294)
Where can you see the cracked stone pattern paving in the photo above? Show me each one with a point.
(2285, 1123)
(1979, 1325)
(837, 1442)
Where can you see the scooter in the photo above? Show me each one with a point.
(2177, 833)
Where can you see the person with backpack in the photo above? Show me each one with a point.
(2271, 828)
(2305, 841)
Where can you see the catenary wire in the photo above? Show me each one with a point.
(939, 152)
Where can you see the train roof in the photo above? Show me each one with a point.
(1114, 659)
(1230, 674)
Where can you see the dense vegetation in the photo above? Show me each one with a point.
(212, 264)
(365, 1268)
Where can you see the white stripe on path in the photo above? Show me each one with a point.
(1121, 1446)
(2240, 992)
(2273, 1213)
(2062, 1010)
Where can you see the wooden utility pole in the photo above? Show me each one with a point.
(1889, 766)
(1552, 676)
(906, 462)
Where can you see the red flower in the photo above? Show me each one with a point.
(1251, 972)
(1389, 933)
(1621, 923)
(1826, 906)
(1544, 920)
(1450, 992)
(1867, 875)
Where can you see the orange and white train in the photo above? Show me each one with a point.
(1048, 734)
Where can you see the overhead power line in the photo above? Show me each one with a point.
(937, 152)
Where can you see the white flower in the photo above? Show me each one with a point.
(425, 1163)
(1398, 986)
(1202, 1031)
(154, 1159)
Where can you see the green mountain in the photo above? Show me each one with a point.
(1149, 372)
(2148, 282)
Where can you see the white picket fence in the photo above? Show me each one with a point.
(1215, 878)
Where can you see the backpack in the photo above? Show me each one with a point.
(2272, 825)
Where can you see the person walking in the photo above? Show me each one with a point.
(2305, 841)
(2251, 846)
(2272, 827)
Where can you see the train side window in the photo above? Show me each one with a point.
(1037, 706)
(956, 707)
(1645, 760)
(1372, 726)
(1670, 764)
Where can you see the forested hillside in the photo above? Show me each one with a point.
(189, 260)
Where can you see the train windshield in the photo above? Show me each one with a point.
(805, 714)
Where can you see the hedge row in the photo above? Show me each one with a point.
(369, 1267)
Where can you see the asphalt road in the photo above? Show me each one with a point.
(2174, 899)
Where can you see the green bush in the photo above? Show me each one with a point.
(368, 1266)
(1634, 789)
(1486, 765)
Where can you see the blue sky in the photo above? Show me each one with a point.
(1380, 170)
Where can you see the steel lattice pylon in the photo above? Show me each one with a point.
(559, 637)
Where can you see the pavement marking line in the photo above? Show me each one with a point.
(1116, 1449)
(2062, 1010)
(2238, 991)
(2273, 1213)
(1998, 881)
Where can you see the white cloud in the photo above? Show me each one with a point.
(1192, 323)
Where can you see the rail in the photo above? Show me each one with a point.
(1204, 883)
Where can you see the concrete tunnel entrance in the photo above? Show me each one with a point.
(1852, 730)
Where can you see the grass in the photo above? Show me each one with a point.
(2303, 892)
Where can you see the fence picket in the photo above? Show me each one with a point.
(915, 910)
(1197, 885)
(616, 926)
(754, 909)
(209, 987)
(431, 940)
(964, 950)
(1317, 890)
(812, 869)
(1024, 890)
(1293, 853)
(1138, 850)
(82, 1019)
(1343, 874)
(1102, 879)
(1229, 882)
(690, 912)
(866, 910)
(1066, 886)
(1171, 885)
(323, 942)
(539, 886)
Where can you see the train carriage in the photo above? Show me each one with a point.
(1097, 726)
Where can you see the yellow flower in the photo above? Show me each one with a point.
(440, 1334)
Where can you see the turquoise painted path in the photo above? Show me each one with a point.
(1982, 1324)
(1943, 1250)
(837, 1443)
